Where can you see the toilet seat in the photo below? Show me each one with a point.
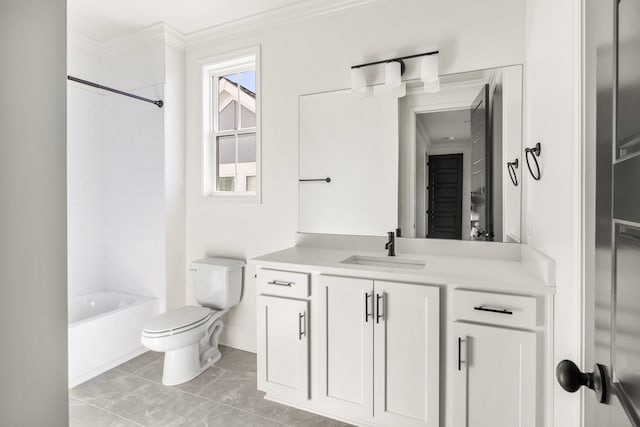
(177, 321)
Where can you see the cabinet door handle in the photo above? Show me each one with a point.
(460, 361)
(281, 283)
(301, 322)
(378, 315)
(366, 307)
(493, 310)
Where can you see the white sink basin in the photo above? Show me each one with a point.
(388, 261)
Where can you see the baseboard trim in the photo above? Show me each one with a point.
(239, 337)
(104, 368)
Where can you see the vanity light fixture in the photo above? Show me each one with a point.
(394, 69)
(358, 80)
(393, 73)
(430, 74)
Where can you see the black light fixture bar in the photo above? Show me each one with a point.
(159, 103)
(384, 61)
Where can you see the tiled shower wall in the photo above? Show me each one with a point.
(115, 193)
(134, 195)
(85, 190)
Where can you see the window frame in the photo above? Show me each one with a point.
(212, 68)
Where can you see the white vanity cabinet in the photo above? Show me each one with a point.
(283, 334)
(496, 365)
(413, 341)
(378, 351)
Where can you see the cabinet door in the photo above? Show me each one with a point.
(345, 352)
(494, 377)
(283, 347)
(407, 355)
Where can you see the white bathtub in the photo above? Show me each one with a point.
(104, 331)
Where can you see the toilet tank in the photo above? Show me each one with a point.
(217, 282)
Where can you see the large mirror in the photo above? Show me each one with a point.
(432, 165)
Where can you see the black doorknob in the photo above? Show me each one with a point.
(571, 378)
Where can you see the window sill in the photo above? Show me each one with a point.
(233, 198)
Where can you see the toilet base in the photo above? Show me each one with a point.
(183, 365)
(186, 363)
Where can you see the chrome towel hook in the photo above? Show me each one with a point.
(533, 153)
(511, 167)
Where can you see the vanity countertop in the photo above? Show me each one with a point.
(491, 273)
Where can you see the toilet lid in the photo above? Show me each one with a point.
(176, 319)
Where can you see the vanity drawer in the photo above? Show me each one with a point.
(517, 311)
(283, 283)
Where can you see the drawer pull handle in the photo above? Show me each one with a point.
(493, 310)
(378, 314)
(460, 361)
(280, 283)
(366, 308)
(301, 332)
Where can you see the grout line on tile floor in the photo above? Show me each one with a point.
(108, 411)
(225, 372)
(255, 415)
(218, 403)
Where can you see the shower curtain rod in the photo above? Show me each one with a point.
(159, 103)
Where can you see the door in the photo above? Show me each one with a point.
(625, 229)
(346, 350)
(494, 377)
(613, 293)
(283, 343)
(481, 200)
(407, 355)
(444, 210)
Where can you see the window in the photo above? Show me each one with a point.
(232, 135)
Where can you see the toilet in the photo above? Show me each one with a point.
(188, 336)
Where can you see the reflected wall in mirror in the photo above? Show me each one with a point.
(432, 165)
(454, 147)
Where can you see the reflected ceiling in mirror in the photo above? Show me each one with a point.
(430, 165)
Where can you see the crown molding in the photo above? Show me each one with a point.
(173, 37)
(157, 33)
(270, 19)
(161, 32)
(138, 39)
(80, 41)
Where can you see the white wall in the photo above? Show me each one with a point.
(552, 206)
(512, 133)
(135, 252)
(127, 185)
(313, 55)
(33, 232)
(423, 150)
(133, 204)
(85, 190)
(174, 173)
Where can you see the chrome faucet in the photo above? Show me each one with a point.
(391, 244)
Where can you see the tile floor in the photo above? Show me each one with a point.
(225, 395)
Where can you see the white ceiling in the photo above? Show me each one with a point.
(104, 20)
(444, 124)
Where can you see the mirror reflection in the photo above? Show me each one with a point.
(430, 165)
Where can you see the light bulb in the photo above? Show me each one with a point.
(392, 74)
(358, 80)
(430, 73)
